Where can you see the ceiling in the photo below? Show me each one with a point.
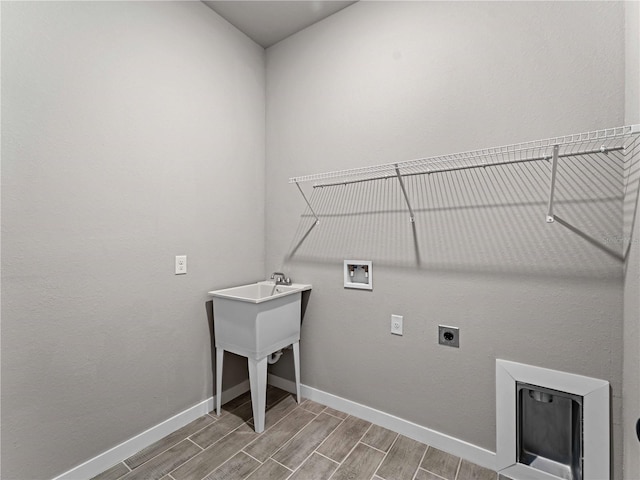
(267, 22)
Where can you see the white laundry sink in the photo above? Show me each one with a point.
(255, 321)
(258, 319)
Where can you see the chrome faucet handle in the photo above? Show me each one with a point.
(280, 278)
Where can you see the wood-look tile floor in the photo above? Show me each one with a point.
(300, 442)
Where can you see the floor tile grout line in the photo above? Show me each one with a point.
(229, 459)
(155, 456)
(420, 462)
(249, 455)
(318, 453)
(315, 450)
(321, 411)
(385, 456)
(168, 448)
(431, 473)
(292, 410)
(354, 447)
(394, 441)
(290, 469)
(337, 465)
(205, 449)
(252, 471)
(202, 449)
(330, 433)
(297, 433)
(334, 416)
(458, 469)
(272, 426)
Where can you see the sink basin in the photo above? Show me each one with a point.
(255, 321)
(258, 292)
(258, 319)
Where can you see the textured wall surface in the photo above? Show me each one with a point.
(132, 132)
(388, 81)
(135, 131)
(631, 241)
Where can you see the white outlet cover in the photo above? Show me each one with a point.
(396, 324)
(181, 264)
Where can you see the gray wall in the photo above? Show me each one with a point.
(388, 81)
(631, 238)
(135, 131)
(132, 132)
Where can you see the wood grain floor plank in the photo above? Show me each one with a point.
(236, 468)
(316, 467)
(270, 470)
(278, 411)
(236, 402)
(338, 445)
(114, 473)
(274, 395)
(380, 438)
(403, 459)
(471, 471)
(424, 475)
(336, 413)
(312, 406)
(274, 438)
(227, 423)
(361, 464)
(296, 450)
(208, 460)
(441, 463)
(300, 442)
(168, 441)
(164, 463)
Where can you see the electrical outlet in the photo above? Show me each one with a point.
(449, 336)
(181, 264)
(396, 324)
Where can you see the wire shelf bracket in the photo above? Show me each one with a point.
(412, 217)
(308, 204)
(552, 187)
(550, 149)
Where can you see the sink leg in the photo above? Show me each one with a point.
(258, 381)
(219, 360)
(296, 367)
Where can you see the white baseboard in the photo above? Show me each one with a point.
(121, 452)
(441, 441)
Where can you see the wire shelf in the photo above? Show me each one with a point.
(599, 141)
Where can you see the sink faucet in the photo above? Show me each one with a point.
(280, 278)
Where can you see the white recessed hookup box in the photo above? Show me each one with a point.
(358, 274)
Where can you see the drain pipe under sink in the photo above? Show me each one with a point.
(274, 357)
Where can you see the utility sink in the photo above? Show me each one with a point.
(258, 319)
(255, 321)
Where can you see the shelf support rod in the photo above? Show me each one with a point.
(412, 217)
(308, 204)
(552, 187)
